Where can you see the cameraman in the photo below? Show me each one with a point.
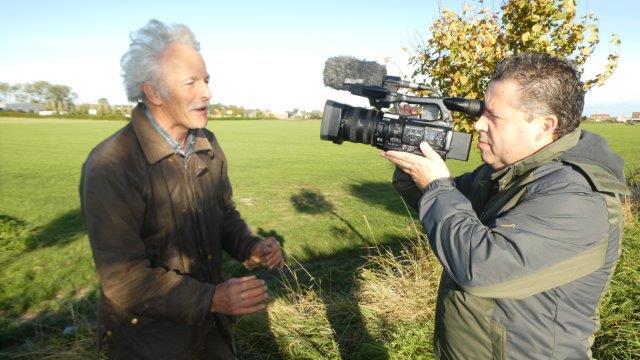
(528, 240)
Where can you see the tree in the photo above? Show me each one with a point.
(5, 91)
(37, 92)
(463, 49)
(61, 97)
(316, 114)
(103, 106)
(55, 97)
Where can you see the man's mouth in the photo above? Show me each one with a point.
(200, 108)
(483, 140)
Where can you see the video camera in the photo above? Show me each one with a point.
(431, 121)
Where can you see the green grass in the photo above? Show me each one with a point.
(325, 202)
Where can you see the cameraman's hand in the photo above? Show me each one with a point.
(422, 170)
(239, 296)
(267, 252)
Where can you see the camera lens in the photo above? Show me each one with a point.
(331, 118)
(342, 122)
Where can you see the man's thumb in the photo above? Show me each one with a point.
(426, 149)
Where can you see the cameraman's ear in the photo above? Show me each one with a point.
(152, 94)
(548, 125)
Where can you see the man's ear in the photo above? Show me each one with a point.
(152, 94)
(548, 125)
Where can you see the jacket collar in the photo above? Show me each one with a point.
(155, 148)
(548, 153)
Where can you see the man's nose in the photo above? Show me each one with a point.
(206, 93)
(480, 124)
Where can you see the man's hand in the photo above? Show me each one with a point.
(422, 170)
(239, 296)
(268, 253)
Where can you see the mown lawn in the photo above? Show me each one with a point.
(325, 202)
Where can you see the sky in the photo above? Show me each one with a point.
(266, 54)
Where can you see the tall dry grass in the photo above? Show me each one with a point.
(393, 306)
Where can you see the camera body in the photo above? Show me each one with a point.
(387, 131)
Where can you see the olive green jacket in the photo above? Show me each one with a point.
(527, 251)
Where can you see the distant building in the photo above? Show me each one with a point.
(22, 107)
(251, 113)
(124, 109)
(215, 113)
(46, 112)
(622, 119)
(92, 111)
(279, 115)
(599, 117)
(298, 114)
(635, 118)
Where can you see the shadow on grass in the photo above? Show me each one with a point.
(58, 232)
(379, 193)
(313, 203)
(256, 340)
(51, 333)
(17, 237)
(338, 278)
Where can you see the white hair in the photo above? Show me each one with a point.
(141, 63)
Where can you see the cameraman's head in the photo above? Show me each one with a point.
(532, 100)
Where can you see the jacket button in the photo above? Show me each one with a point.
(134, 321)
(109, 333)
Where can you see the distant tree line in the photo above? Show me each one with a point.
(62, 100)
(53, 96)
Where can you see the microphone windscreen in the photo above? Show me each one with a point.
(340, 72)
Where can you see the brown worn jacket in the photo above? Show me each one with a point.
(157, 225)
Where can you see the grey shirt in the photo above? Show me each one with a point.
(175, 146)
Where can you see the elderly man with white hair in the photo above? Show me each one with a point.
(158, 209)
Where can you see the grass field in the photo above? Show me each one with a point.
(326, 203)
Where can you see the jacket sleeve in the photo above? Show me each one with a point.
(411, 194)
(237, 238)
(113, 209)
(464, 182)
(408, 190)
(556, 234)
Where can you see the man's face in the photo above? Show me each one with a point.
(186, 80)
(506, 133)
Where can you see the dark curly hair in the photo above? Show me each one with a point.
(549, 86)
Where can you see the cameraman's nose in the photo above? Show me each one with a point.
(480, 124)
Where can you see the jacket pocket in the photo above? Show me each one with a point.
(498, 341)
(155, 339)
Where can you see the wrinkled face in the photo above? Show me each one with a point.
(186, 81)
(506, 133)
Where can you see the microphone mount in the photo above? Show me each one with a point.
(382, 97)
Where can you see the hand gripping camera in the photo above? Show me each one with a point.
(429, 121)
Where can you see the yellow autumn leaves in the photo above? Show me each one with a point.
(463, 49)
